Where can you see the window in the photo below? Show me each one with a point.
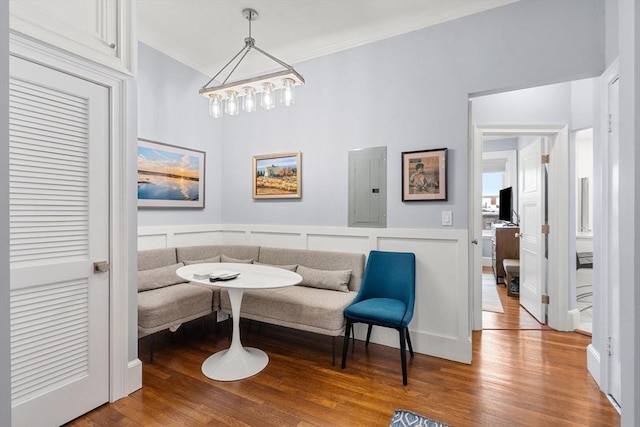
(498, 172)
(492, 183)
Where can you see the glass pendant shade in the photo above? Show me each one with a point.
(231, 106)
(288, 94)
(215, 106)
(249, 104)
(268, 100)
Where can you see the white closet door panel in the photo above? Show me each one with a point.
(45, 189)
(59, 225)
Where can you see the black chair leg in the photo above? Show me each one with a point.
(409, 342)
(345, 347)
(403, 354)
(353, 338)
(368, 335)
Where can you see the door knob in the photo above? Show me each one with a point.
(518, 235)
(474, 241)
(101, 266)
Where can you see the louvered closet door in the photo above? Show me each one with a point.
(59, 213)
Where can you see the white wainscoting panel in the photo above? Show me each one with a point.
(234, 237)
(441, 322)
(278, 239)
(196, 238)
(347, 243)
(152, 241)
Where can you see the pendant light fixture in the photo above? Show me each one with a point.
(228, 97)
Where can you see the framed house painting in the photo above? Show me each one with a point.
(424, 175)
(170, 176)
(277, 176)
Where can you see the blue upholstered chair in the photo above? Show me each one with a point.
(386, 298)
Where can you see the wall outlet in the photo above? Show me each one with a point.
(447, 218)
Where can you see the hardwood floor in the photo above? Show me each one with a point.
(514, 316)
(517, 378)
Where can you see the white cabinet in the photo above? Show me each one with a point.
(98, 30)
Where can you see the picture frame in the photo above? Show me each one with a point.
(277, 176)
(170, 176)
(424, 175)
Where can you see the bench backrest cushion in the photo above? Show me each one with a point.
(156, 258)
(194, 253)
(159, 277)
(320, 260)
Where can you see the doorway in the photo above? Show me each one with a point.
(583, 142)
(558, 204)
(512, 209)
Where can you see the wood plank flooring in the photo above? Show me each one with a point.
(514, 316)
(518, 377)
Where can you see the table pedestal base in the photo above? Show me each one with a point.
(235, 363)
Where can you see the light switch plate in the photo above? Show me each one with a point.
(447, 218)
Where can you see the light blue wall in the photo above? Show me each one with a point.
(407, 93)
(548, 104)
(5, 360)
(582, 103)
(171, 111)
(503, 144)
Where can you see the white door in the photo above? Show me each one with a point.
(59, 225)
(613, 236)
(531, 208)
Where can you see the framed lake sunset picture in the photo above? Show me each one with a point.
(169, 176)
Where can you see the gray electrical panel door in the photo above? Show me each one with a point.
(368, 187)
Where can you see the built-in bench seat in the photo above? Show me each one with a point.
(330, 282)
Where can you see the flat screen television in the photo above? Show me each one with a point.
(506, 205)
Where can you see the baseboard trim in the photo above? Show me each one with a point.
(593, 363)
(574, 318)
(443, 347)
(134, 376)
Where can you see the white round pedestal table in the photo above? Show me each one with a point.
(238, 362)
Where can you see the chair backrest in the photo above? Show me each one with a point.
(390, 275)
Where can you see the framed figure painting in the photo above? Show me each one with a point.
(277, 176)
(424, 175)
(170, 176)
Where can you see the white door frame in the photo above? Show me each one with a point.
(558, 310)
(597, 359)
(125, 375)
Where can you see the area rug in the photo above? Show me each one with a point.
(403, 418)
(490, 297)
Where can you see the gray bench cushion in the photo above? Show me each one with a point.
(299, 307)
(156, 258)
(193, 253)
(165, 307)
(321, 260)
(159, 277)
